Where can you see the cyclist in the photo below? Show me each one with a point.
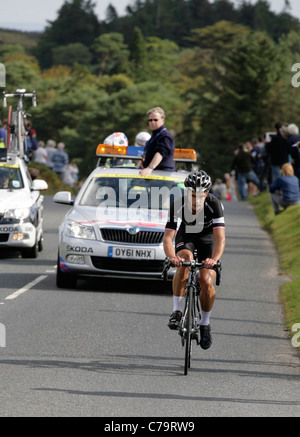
(202, 228)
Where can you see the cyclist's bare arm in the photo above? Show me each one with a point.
(218, 250)
(169, 248)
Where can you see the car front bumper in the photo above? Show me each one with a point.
(97, 258)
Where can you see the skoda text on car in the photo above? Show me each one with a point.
(116, 224)
(21, 207)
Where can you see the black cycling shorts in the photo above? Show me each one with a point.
(204, 249)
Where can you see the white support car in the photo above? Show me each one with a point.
(116, 224)
(21, 208)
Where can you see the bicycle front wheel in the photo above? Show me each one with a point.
(188, 333)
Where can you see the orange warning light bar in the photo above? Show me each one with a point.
(185, 155)
(104, 149)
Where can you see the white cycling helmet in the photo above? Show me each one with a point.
(116, 139)
(141, 139)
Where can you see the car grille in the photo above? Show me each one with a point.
(4, 238)
(123, 236)
(127, 265)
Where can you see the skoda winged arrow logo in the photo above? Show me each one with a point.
(132, 230)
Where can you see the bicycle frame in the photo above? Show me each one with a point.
(17, 129)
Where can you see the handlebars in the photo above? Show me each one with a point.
(20, 93)
(194, 266)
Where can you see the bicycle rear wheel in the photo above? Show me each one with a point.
(188, 333)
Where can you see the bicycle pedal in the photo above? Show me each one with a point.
(195, 336)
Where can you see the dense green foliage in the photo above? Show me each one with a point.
(284, 229)
(221, 72)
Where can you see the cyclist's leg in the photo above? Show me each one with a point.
(181, 275)
(207, 296)
(206, 278)
(185, 251)
(208, 292)
(184, 248)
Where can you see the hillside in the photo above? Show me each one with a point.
(28, 40)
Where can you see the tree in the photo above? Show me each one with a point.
(76, 23)
(240, 110)
(111, 53)
(138, 55)
(70, 54)
(111, 14)
(162, 62)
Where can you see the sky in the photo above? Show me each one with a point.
(32, 15)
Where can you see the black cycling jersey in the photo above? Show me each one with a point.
(196, 229)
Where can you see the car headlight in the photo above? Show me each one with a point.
(75, 230)
(17, 213)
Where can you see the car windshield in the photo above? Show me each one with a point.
(10, 177)
(132, 191)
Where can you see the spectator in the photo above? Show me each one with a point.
(285, 189)
(277, 152)
(50, 149)
(32, 143)
(2, 136)
(219, 189)
(293, 138)
(60, 159)
(71, 175)
(242, 163)
(231, 186)
(159, 150)
(258, 162)
(41, 155)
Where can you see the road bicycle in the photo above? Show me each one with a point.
(190, 322)
(16, 141)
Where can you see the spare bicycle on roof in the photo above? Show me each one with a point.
(16, 139)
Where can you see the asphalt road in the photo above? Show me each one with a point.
(104, 349)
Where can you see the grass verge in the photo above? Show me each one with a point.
(285, 232)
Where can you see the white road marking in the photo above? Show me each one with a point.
(26, 287)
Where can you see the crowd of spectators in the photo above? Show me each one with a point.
(270, 163)
(53, 156)
(56, 158)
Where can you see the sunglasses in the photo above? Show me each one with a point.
(153, 119)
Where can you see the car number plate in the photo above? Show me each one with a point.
(131, 253)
